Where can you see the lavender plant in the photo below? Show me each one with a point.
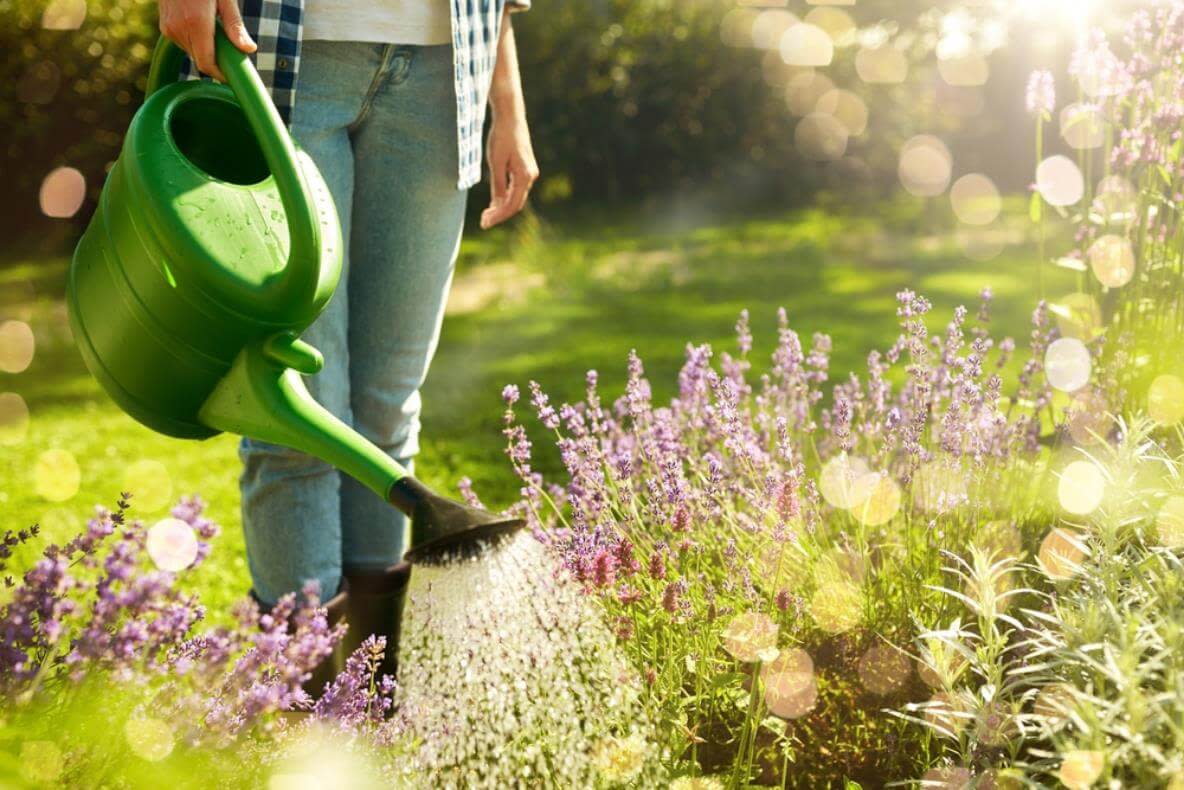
(1125, 126)
(762, 549)
(105, 674)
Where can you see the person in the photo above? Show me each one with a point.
(388, 98)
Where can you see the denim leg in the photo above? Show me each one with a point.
(407, 222)
(291, 501)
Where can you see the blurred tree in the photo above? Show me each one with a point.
(66, 97)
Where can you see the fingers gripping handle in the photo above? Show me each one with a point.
(297, 283)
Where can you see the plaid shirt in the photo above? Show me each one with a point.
(277, 27)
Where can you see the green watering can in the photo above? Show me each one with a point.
(215, 244)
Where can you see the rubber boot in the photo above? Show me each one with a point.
(332, 664)
(375, 606)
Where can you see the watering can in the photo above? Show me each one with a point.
(214, 245)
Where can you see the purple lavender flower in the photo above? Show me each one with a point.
(1040, 97)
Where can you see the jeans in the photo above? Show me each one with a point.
(380, 123)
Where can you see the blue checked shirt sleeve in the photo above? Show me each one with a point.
(276, 26)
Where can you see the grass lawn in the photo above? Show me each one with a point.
(534, 302)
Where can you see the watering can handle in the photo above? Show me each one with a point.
(297, 283)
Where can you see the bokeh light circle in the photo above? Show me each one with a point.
(1000, 539)
(843, 481)
(14, 418)
(883, 65)
(1080, 768)
(944, 711)
(1112, 259)
(1061, 554)
(1081, 487)
(17, 345)
(41, 762)
(804, 44)
(735, 29)
(924, 166)
(837, 606)
(64, 15)
(1088, 417)
(937, 487)
(940, 667)
(950, 777)
(836, 23)
(1082, 126)
(1165, 399)
(56, 475)
(1053, 704)
(1169, 522)
(1115, 202)
(781, 564)
(883, 669)
(803, 91)
(59, 524)
(62, 193)
(847, 108)
(820, 137)
(1078, 315)
(149, 738)
(791, 690)
(975, 199)
(881, 502)
(172, 544)
(1067, 364)
(769, 26)
(1059, 181)
(150, 485)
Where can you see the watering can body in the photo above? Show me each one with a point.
(214, 245)
(186, 259)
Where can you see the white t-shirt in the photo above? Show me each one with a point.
(420, 22)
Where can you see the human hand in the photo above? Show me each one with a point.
(512, 168)
(190, 25)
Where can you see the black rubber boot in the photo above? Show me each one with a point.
(375, 606)
(331, 666)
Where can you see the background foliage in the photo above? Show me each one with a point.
(640, 103)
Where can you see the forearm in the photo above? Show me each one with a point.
(505, 91)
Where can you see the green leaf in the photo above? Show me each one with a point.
(851, 784)
(1035, 207)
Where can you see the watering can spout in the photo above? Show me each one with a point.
(264, 397)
